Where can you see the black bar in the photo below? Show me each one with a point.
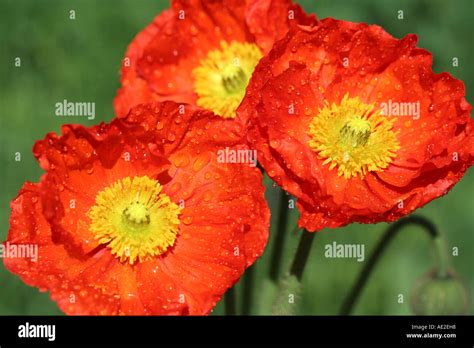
(237, 329)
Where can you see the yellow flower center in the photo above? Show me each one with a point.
(222, 77)
(135, 219)
(354, 137)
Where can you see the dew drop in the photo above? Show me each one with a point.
(207, 196)
(175, 187)
(201, 162)
(181, 160)
(193, 30)
(274, 143)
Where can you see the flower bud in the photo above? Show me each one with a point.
(439, 295)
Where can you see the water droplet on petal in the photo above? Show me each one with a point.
(175, 187)
(193, 30)
(201, 162)
(274, 143)
(181, 160)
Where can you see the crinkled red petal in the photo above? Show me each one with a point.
(224, 222)
(307, 68)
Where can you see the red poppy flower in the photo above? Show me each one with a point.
(139, 216)
(355, 124)
(203, 52)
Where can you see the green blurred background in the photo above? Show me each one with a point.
(79, 60)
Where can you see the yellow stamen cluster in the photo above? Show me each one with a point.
(222, 77)
(354, 137)
(135, 219)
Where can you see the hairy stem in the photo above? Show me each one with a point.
(278, 246)
(302, 254)
(290, 286)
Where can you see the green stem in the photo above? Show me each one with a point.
(229, 298)
(302, 254)
(391, 232)
(278, 246)
(248, 289)
(443, 258)
(290, 286)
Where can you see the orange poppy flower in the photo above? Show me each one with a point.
(356, 125)
(139, 216)
(203, 52)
